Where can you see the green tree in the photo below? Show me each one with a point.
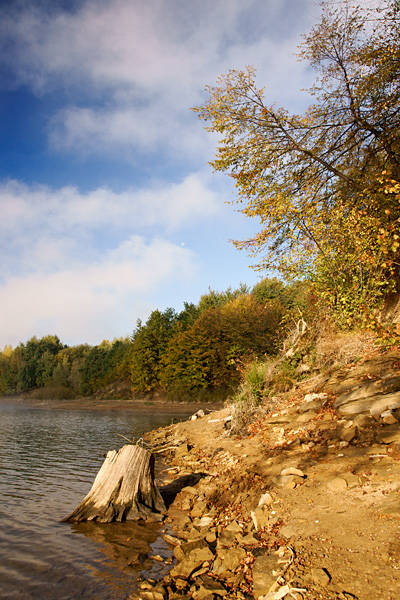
(214, 299)
(310, 178)
(38, 360)
(197, 357)
(149, 343)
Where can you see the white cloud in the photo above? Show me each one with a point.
(85, 265)
(42, 228)
(138, 66)
(92, 302)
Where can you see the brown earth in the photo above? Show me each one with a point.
(329, 527)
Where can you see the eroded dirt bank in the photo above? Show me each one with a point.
(304, 504)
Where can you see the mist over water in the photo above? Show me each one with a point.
(48, 461)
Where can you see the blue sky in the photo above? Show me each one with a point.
(109, 208)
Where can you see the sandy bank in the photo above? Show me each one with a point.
(303, 504)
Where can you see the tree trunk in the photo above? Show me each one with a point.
(123, 490)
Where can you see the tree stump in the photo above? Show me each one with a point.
(123, 490)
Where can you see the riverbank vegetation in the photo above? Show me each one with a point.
(325, 188)
(195, 353)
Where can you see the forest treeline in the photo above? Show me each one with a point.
(199, 350)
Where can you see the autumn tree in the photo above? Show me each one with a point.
(323, 184)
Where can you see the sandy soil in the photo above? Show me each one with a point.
(342, 515)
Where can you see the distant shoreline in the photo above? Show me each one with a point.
(112, 404)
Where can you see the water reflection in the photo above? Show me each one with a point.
(48, 461)
(128, 546)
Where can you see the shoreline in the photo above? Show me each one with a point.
(111, 404)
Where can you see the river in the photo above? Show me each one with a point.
(48, 460)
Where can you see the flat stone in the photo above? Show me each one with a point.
(226, 538)
(199, 509)
(192, 491)
(260, 517)
(349, 434)
(305, 417)
(374, 405)
(189, 564)
(234, 526)
(205, 521)
(247, 540)
(228, 559)
(266, 500)
(338, 484)
(158, 593)
(390, 434)
(266, 570)
(287, 531)
(292, 471)
(388, 418)
(211, 586)
(185, 549)
(363, 391)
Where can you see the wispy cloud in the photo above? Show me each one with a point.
(142, 65)
(101, 298)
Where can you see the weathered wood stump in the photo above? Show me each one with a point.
(123, 490)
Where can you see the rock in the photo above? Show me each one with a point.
(288, 481)
(311, 397)
(228, 559)
(361, 392)
(192, 562)
(266, 570)
(287, 531)
(363, 421)
(205, 521)
(265, 500)
(199, 509)
(388, 418)
(320, 577)
(375, 405)
(292, 471)
(183, 551)
(180, 584)
(170, 539)
(226, 538)
(182, 450)
(312, 402)
(247, 540)
(190, 491)
(209, 585)
(260, 517)
(305, 417)
(338, 484)
(198, 415)
(390, 434)
(234, 526)
(349, 434)
(158, 593)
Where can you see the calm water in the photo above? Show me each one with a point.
(48, 460)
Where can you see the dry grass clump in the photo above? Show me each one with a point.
(341, 348)
(313, 350)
